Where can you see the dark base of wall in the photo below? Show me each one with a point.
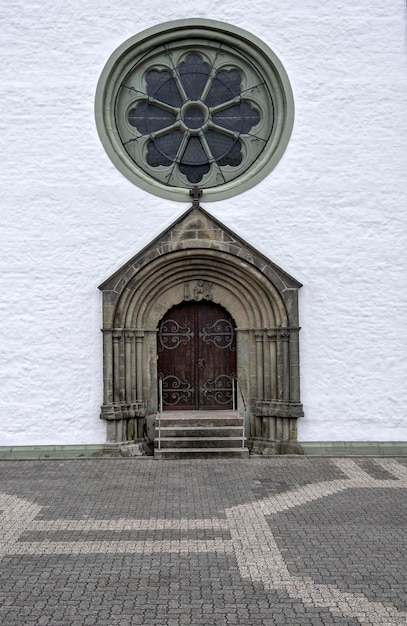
(267, 447)
(259, 447)
(354, 448)
(52, 452)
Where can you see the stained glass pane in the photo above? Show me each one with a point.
(148, 118)
(163, 150)
(155, 157)
(162, 86)
(233, 157)
(240, 118)
(226, 150)
(194, 163)
(194, 173)
(226, 85)
(194, 153)
(251, 117)
(194, 118)
(194, 74)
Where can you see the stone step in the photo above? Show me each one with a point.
(199, 442)
(201, 453)
(201, 431)
(203, 423)
(204, 419)
(199, 434)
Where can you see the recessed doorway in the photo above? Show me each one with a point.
(197, 357)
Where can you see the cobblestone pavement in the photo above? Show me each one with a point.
(281, 540)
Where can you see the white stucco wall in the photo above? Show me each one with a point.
(332, 214)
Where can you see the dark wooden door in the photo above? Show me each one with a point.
(197, 357)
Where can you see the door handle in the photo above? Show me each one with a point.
(201, 363)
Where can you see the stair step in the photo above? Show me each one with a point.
(199, 421)
(199, 442)
(201, 453)
(201, 431)
(199, 434)
(181, 419)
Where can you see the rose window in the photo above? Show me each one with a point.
(202, 104)
(194, 118)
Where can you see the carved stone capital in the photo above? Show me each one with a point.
(122, 410)
(276, 408)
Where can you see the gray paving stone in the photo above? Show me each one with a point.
(264, 541)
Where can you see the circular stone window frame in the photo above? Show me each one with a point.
(249, 46)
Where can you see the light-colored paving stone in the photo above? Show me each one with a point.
(218, 526)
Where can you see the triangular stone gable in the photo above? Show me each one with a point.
(197, 229)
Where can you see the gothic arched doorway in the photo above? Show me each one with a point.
(198, 261)
(197, 357)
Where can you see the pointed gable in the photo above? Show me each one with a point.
(197, 229)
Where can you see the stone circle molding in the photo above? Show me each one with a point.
(194, 102)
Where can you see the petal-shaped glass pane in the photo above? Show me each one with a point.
(148, 118)
(163, 150)
(162, 86)
(233, 157)
(194, 173)
(194, 162)
(194, 74)
(226, 85)
(240, 117)
(194, 153)
(225, 149)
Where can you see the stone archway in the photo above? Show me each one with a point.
(197, 258)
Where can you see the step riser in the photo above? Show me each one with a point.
(199, 423)
(198, 443)
(201, 432)
(201, 454)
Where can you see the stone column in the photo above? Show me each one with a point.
(107, 367)
(259, 366)
(272, 337)
(128, 340)
(280, 369)
(133, 369)
(285, 336)
(294, 366)
(116, 366)
(139, 364)
(272, 431)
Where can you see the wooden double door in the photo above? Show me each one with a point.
(197, 357)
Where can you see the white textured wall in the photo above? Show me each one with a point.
(333, 213)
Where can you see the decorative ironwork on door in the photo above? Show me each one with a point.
(221, 334)
(197, 356)
(172, 334)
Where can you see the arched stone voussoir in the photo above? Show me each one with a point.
(250, 298)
